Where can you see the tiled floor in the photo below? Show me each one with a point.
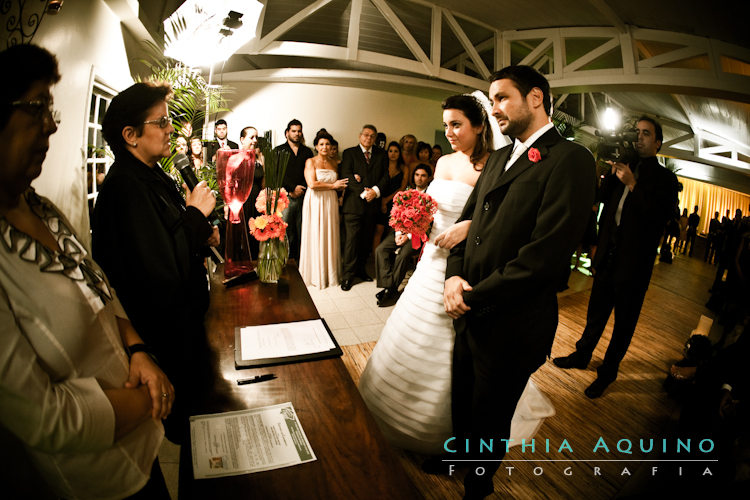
(354, 316)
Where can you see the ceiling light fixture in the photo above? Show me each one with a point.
(203, 32)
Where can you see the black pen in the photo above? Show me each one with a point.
(257, 378)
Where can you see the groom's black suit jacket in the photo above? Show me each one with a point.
(526, 222)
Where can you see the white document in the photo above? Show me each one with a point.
(241, 442)
(284, 339)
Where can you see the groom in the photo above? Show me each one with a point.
(529, 210)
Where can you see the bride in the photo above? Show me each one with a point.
(407, 381)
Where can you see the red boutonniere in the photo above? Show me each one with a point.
(534, 155)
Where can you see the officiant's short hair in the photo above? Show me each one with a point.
(526, 78)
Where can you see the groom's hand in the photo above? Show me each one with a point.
(453, 296)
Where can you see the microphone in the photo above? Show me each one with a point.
(182, 164)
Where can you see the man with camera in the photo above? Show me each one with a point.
(638, 200)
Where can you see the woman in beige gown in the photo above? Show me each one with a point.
(320, 253)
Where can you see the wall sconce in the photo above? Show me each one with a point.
(54, 6)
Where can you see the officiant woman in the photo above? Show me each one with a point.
(151, 242)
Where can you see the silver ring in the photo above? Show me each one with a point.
(164, 395)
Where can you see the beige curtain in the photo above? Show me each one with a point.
(710, 199)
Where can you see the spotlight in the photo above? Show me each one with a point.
(233, 20)
(610, 119)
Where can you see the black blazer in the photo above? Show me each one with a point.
(213, 147)
(526, 222)
(375, 174)
(150, 246)
(644, 216)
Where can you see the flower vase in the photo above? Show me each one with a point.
(272, 257)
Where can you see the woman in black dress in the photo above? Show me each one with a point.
(397, 178)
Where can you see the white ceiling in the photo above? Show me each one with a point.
(379, 57)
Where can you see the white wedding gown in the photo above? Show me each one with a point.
(407, 381)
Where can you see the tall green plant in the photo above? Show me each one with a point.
(274, 170)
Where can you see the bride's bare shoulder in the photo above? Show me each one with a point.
(447, 165)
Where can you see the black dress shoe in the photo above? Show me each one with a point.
(574, 360)
(380, 294)
(364, 276)
(346, 285)
(389, 298)
(596, 388)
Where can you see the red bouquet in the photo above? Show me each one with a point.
(412, 213)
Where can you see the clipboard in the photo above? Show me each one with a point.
(241, 363)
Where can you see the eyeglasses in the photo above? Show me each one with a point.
(39, 109)
(163, 122)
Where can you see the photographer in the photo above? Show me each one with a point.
(638, 200)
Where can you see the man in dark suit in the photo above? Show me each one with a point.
(366, 167)
(529, 210)
(714, 227)
(637, 204)
(692, 230)
(220, 141)
(295, 184)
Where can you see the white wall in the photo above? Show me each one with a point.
(83, 35)
(341, 110)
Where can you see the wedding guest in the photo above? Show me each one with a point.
(320, 262)
(150, 241)
(294, 183)
(365, 166)
(437, 152)
(398, 175)
(181, 145)
(249, 141)
(394, 255)
(424, 152)
(408, 145)
(72, 403)
(196, 152)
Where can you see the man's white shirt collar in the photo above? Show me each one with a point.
(519, 147)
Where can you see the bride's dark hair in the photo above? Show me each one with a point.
(474, 111)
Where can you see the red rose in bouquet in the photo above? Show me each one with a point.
(412, 213)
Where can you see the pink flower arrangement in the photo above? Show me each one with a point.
(267, 226)
(534, 155)
(262, 204)
(412, 213)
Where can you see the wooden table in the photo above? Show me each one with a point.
(353, 458)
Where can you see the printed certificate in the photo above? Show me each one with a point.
(245, 441)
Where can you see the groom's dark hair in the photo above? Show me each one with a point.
(526, 78)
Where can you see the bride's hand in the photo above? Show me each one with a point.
(453, 235)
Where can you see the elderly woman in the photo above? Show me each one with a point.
(150, 242)
(85, 412)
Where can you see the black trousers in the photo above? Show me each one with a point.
(626, 298)
(293, 217)
(390, 266)
(360, 229)
(489, 376)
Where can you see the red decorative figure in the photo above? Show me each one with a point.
(234, 174)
